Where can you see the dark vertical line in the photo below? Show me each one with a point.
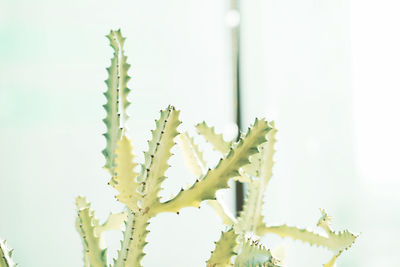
(235, 35)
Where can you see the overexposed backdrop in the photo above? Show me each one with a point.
(325, 71)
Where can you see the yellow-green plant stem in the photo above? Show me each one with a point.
(5, 255)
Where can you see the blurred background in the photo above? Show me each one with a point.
(326, 72)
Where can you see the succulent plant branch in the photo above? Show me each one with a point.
(156, 163)
(112, 120)
(126, 242)
(257, 174)
(5, 255)
(334, 241)
(218, 177)
(123, 68)
(134, 250)
(163, 141)
(224, 250)
(216, 140)
(254, 254)
(262, 163)
(125, 179)
(193, 157)
(85, 225)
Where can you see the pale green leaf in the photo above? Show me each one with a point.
(334, 241)
(158, 155)
(127, 242)
(85, 225)
(216, 140)
(123, 75)
(224, 250)
(251, 215)
(267, 157)
(254, 255)
(153, 173)
(194, 160)
(131, 252)
(125, 179)
(5, 255)
(218, 177)
(112, 119)
(191, 154)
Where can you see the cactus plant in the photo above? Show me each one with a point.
(140, 191)
(248, 160)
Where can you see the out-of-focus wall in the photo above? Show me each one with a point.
(297, 71)
(376, 88)
(53, 56)
(327, 72)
